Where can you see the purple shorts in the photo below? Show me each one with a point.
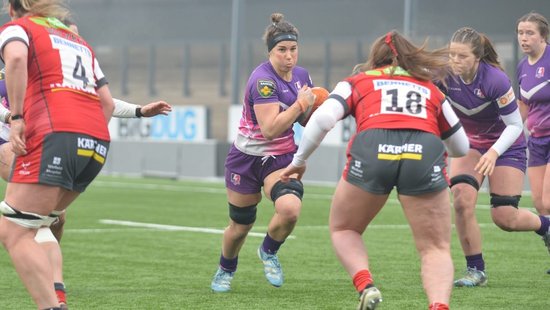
(539, 151)
(515, 156)
(245, 173)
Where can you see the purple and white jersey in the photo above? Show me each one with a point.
(266, 86)
(534, 90)
(480, 104)
(4, 128)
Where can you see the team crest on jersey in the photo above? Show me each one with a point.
(236, 179)
(540, 72)
(479, 93)
(266, 88)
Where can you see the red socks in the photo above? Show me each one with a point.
(438, 306)
(362, 279)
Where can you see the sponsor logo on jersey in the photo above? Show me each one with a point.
(266, 88)
(397, 152)
(540, 72)
(506, 98)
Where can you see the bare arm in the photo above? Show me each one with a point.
(273, 123)
(106, 101)
(15, 57)
(125, 109)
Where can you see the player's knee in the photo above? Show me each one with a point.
(292, 187)
(289, 213)
(57, 226)
(44, 234)
(22, 218)
(464, 198)
(243, 216)
(504, 200)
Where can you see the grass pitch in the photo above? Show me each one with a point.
(133, 243)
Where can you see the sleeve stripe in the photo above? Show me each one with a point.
(8, 41)
(101, 82)
(341, 100)
(451, 131)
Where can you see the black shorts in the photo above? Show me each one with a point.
(71, 160)
(410, 160)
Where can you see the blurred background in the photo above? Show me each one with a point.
(180, 50)
(199, 53)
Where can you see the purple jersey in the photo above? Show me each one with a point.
(4, 128)
(480, 104)
(266, 86)
(534, 90)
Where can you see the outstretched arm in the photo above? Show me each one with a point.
(125, 109)
(321, 122)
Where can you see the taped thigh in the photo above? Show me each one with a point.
(465, 178)
(294, 187)
(499, 201)
(52, 218)
(22, 218)
(243, 216)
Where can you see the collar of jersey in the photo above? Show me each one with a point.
(393, 70)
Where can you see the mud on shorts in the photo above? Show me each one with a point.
(245, 173)
(410, 160)
(64, 159)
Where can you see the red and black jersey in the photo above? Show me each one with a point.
(63, 75)
(397, 101)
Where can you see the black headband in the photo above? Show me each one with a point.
(285, 36)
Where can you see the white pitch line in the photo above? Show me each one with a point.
(222, 191)
(375, 226)
(145, 227)
(176, 228)
(103, 230)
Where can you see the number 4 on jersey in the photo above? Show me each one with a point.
(79, 72)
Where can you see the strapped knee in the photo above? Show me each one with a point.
(499, 201)
(294, 187)
(22, 218)
(243, 216)
(465, 178)
(53, 218)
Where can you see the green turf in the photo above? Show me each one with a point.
(109, 266)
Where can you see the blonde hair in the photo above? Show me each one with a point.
(46, 8)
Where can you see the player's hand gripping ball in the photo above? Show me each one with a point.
(321, 94)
